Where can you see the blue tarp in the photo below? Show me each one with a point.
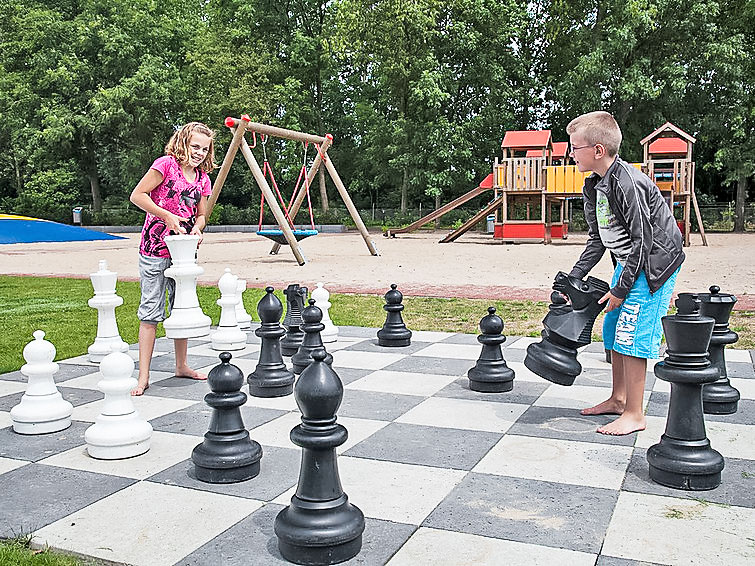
(25, 230)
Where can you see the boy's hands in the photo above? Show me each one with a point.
(613, 302)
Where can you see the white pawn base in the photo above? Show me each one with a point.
(187, 323)
(228, 339)
(328, 336)
(104, 346)
(41, 414)
(114, 437)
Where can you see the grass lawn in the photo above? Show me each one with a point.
(16, 552)
(59, 307)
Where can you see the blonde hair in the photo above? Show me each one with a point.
(597, 128)
(178, 145)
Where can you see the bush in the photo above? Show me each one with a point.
(50, 194)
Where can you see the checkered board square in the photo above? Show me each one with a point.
(443, 474)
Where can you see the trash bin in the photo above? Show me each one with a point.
(77, 214)
(491, 223)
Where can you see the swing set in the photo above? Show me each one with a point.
(285, 214)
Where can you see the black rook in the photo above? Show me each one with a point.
(719, 398)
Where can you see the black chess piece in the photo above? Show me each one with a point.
(312, 326)
(394, 332)
(719, 398)
(320, 526)
(567, 326)
(491, 374)
(227, 454)
(684, 459)
(295, 297)
(271, 377)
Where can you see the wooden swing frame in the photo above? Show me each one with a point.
(239, 127)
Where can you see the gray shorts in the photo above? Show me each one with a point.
(154, 287)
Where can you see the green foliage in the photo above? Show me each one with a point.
(417, 94)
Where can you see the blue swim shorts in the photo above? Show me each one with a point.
(635, 328)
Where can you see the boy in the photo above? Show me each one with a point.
(627, 215)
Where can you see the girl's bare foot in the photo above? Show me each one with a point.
(625, 424)
(189, 373)
(140, 388)
(610, 406)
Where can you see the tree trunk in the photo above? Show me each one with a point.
(404, 189)
(94, 183)
(739, 204)
(323, 190)
(437, 206)
(19, 177)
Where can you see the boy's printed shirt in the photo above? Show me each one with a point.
(612, 233)
(177, 195)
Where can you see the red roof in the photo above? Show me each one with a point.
(534, 153)
(526, 139)
(668, 145)
(560, 149)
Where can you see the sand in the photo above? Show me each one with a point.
(476, 266)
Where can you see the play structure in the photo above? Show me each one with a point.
(534, 181)
(285, 214)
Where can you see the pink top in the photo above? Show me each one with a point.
(177, 195)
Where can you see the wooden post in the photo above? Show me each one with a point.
(277, 132)
(270, 198)
(323, 191)
(302, 191)
(226, 166)
(350, 206)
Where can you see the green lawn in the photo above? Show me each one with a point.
(59, 307)
(16, 552)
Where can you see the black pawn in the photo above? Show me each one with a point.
(394, 332)
(227, 454)
(320, 526)
(295, 297)
(271, 377)
(491, 374)
(312, 326)
(719, 398)
(684, 459)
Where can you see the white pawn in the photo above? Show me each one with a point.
(242, 317)
(228, 336)
(105, 300)
(118, 431)
(42, 408)
(322, 301)
(186, 318)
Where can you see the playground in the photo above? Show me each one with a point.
(481, 267)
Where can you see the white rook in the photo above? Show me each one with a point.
(118, 431)
(42, 408)
(186, 318)
(322, 302)
(105, 301)
(228, 336)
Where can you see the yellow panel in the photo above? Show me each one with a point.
(550, 178)
(569, 181)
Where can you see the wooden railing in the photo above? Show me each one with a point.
(520, 174)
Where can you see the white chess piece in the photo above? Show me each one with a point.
(242, 317)
(118, 431)
(105, 301)
(42, 408)
(322, 302)
(186, 318)
(228, 336)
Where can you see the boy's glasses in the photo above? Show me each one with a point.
(576, 147)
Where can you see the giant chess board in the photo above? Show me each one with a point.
(443, 475)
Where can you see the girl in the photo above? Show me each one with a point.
(174, 194)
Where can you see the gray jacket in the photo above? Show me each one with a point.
(641, 209)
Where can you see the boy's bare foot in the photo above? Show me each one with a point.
(140, 388)
(608, 407)
(625, 424)
(189, 373)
